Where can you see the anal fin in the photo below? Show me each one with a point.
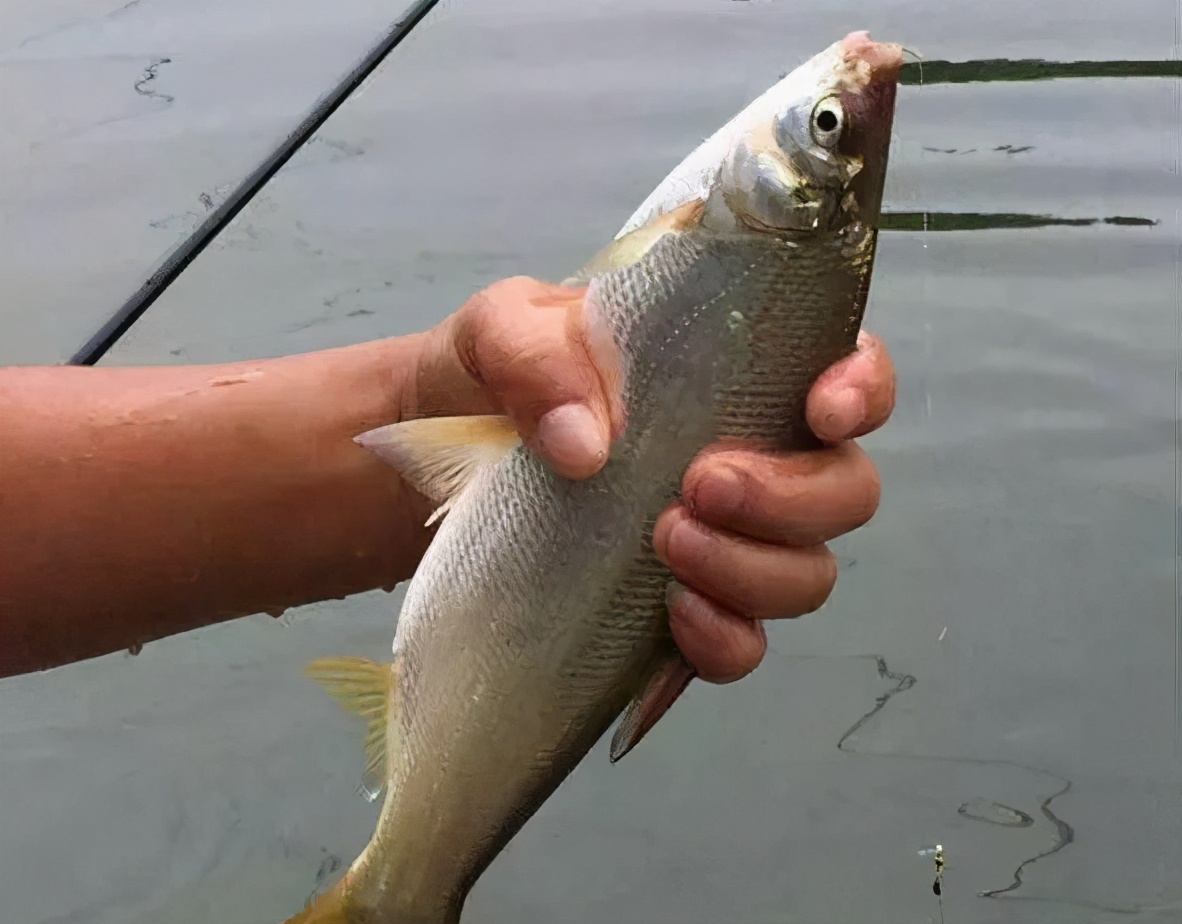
(665, 685)
(364, 688)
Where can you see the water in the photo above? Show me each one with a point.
(996, 671)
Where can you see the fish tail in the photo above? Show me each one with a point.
(337, 906)
(329, 907)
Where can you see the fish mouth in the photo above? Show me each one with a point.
(871, 80)
(879, 61)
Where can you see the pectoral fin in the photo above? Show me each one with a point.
(666, 684)
(365, 688)
(438, 456)
(626, 250)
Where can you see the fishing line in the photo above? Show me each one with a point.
(918, 58)
(937, 855)
(189, 249)
(1177, 406)
(938, 884)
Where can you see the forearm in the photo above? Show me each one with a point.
(137, 503)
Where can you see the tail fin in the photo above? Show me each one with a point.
(335, 907)
(326, 908)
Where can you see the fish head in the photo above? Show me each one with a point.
(811, 153)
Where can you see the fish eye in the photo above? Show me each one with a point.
(828, 120)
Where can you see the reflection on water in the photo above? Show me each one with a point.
(983, 221)
(928, 73)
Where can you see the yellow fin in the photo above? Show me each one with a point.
(330, 907)
(364, 688)
(626, 250)
(439, 455)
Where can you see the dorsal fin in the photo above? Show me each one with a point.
(627, 249)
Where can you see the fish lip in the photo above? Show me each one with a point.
(873, 61)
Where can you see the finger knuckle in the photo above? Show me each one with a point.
(468, 337)
(511, 285)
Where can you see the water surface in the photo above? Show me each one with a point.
(996, 670)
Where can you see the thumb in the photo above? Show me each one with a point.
(549, 367)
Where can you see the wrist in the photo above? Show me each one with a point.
(384, 378)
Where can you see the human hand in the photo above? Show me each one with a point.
(746, 541)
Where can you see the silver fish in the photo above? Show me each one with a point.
(538, 614)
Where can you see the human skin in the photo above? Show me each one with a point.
(137, 503)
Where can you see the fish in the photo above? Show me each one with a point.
(538, 614)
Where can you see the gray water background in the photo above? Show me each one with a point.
(1011, 609)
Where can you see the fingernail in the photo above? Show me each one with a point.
(719, 493)
(681, 603)
(676, 592)
(572, 439)
(849, 411)
(686, 544)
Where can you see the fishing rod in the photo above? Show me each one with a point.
(189, 249)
